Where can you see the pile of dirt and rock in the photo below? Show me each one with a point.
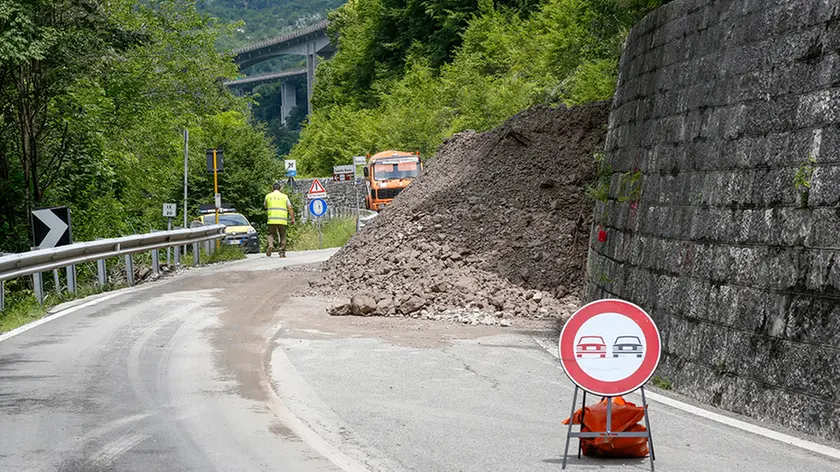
(496, 226)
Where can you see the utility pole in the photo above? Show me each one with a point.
(186, 159)
(216, 188)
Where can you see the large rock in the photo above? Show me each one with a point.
(362, 305)
(414, 303)
(339, 309)
(385, 307)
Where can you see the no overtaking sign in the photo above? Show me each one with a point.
(610, 347)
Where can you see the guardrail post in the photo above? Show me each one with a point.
(177, 251)
(129, 269)
(71, 279)
(155, 262)
(196, 254)
(2, 295)
(56, 281)
(39, 287)
(102, 273)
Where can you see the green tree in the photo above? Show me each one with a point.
(409, 73)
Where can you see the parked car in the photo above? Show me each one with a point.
(627, 345)
(591, 345)
(238, 230)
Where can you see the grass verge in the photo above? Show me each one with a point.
(335, 232)
(224, 253)
(22, 307)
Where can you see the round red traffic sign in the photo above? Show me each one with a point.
(610, 347)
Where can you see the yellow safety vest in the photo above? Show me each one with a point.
(278, 213)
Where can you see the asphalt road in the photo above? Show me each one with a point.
(165, 377)
(435, 397)
(230, 368)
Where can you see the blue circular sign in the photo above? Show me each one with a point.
(317, 206)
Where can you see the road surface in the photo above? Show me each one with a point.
(233, 368)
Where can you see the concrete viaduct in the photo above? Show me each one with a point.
(310, 42)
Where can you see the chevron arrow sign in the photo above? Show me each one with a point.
(51, 227)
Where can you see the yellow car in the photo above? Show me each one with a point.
(238, 230)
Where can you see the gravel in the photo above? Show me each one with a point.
(496, 227)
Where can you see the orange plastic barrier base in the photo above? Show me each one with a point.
(625, 418)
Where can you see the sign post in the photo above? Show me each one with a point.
(344, 173)
(317, 208)
(357, 161)
(291, 171)
(216, 164)
(51, 227)
(169, 212)
(609, 348)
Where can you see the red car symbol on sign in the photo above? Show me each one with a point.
(591, 345)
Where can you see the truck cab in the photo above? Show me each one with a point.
(386, 175)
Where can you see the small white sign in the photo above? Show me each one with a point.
(290, 165)
(170, 210)
(348, 169)
(359, 160)
(218, 200)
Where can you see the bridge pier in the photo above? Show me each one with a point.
(288, 99)
(311, 64)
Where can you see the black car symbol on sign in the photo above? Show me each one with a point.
(627, 345)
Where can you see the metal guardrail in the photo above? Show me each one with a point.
(42, 260)
(364, 217)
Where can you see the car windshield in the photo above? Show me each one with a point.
(591, 340)
(396, 170)
(228, 219)
(627, 340)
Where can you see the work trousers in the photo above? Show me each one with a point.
(280, 230)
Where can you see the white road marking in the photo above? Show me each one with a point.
(718, 418)
(56, 316)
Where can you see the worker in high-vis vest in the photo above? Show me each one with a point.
(280, 213)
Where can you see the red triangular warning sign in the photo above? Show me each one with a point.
(316, 188)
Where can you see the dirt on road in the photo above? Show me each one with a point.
(496, 227)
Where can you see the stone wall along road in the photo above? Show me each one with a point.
(724, 111)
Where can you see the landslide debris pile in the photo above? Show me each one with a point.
(496, 226)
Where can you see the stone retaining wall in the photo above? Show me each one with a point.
(721, 108)
(339, 194)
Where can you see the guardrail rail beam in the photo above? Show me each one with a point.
(38, 261)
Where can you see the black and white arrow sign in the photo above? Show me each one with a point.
(51, 227)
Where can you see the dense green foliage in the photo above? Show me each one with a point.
(411, 72)
(94, 98)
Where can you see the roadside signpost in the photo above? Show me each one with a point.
(169, 212)
(317, 205)
(51, 227)
(344, 173)
(357, 161)
(216, 164)
(291, 167)
(316, 190)
(291, 172)
(609, 348)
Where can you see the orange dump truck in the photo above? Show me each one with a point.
(386, 174)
